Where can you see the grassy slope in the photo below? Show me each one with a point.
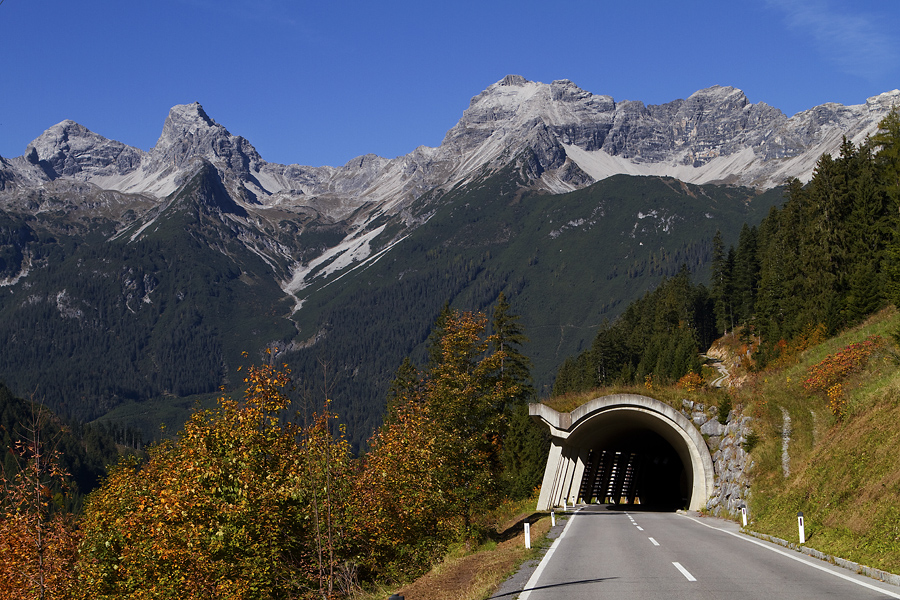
(844, 475)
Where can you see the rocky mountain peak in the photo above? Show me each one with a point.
(189, 132)
(188, 120)
(886, 100)
(719, 95)
(513, 80)
(563, 90)
(73, 150)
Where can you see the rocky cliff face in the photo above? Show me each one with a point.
(559, 137)
(71, 150)
(564, 136)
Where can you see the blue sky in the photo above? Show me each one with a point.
(320, 83)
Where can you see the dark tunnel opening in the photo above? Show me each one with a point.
(636, 466)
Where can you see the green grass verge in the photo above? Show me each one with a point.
(844, 473)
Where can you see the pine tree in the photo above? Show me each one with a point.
(437, 333)
(887, 140)
(525, 444)
(466, 398)
(720, 283)
(405, 388)
(746, 275)
(509, 337)
(607, 355)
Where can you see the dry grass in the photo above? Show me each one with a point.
(669, 394)
(475, 576)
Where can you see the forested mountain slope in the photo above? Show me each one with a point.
(825, 260)
(132, 282)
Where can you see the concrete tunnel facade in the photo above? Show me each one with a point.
(624, 448)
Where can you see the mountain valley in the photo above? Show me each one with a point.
(131, 278)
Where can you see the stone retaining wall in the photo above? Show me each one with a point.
(731, 463)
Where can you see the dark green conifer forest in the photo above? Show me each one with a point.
(827, 257)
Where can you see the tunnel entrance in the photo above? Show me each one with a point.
(639, 468)
(624, 449)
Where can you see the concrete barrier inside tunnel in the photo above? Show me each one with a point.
(624, 448)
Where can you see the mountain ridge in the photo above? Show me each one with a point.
(711, 123)
(560, 136)
(166, 264)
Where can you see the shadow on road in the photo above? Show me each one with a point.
(554, 585)
(619, 508)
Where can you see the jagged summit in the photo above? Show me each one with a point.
(513, 80)
(189, 132)
(561, 136)
(69, 149)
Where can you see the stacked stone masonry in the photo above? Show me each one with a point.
(731, 462)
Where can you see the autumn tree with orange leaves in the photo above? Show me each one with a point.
(403, 529)
(240, 505)
(38, 537)
(437, 458)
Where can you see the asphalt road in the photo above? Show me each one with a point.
(628, 555)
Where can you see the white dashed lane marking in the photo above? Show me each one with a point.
(684, 572)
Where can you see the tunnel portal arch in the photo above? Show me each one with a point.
(624, 446)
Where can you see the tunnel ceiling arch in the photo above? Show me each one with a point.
(617, 421)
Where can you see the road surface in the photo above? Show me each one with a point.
(627, 555)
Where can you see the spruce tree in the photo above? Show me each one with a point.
(720, 283)
(746, 275)
(525, 443)
(509, 337)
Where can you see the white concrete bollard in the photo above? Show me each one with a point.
(744, 514)
(552, 519)
(527, 535)
(801, 527)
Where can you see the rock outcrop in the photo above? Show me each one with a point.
(557, 136)
(561, 135)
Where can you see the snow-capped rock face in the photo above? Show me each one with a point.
(561, 136)
(715, 135)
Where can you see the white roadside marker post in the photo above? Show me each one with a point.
(552, 519)
(744, 514)
(800, 526)
(527, 535)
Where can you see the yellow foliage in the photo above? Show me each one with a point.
(690, 382)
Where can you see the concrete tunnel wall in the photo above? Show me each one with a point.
(574, 434)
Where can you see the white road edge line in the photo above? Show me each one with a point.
(532, 581)
(799, 559)
(684, 572)
(655, 543)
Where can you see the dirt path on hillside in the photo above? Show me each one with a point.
(724, 376)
